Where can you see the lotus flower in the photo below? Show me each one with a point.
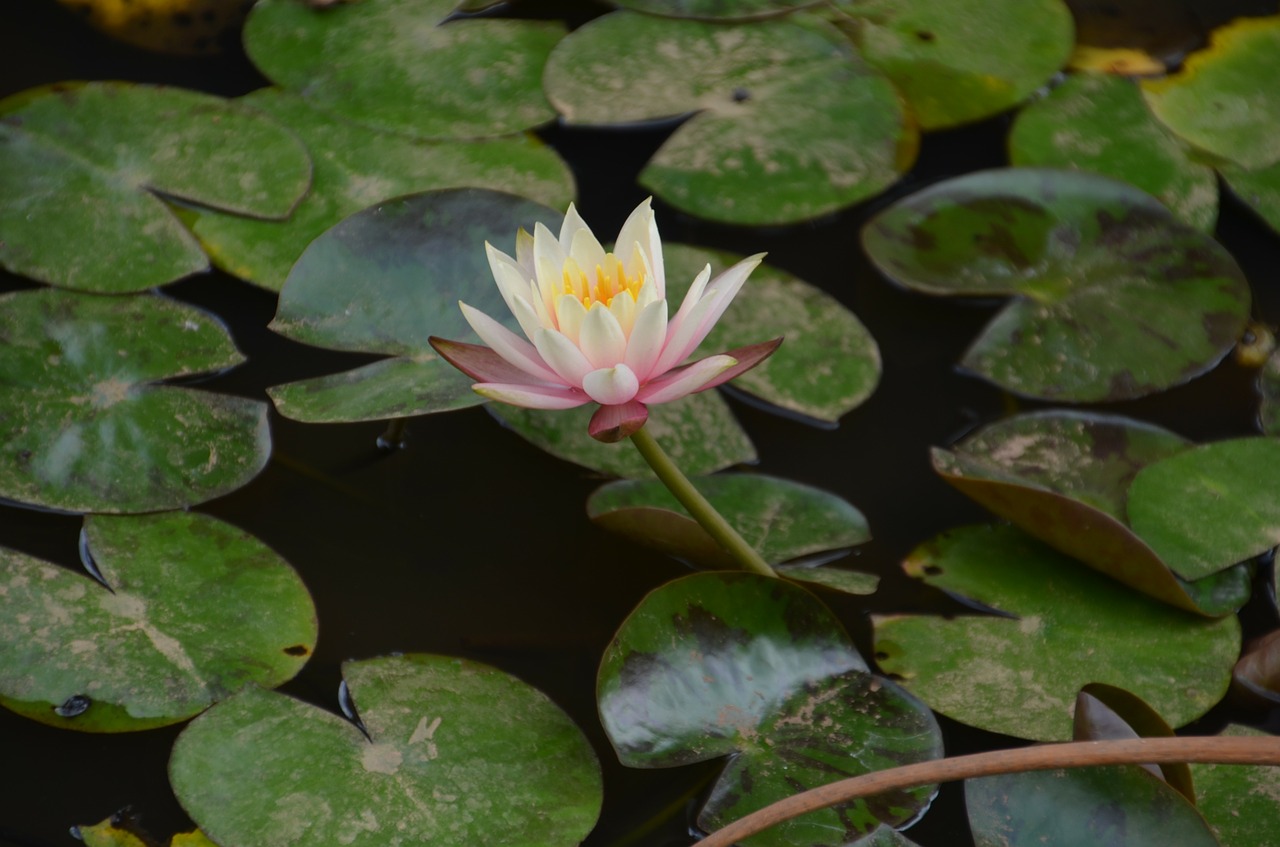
(596, 326)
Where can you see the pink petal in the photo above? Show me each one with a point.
(532, 396)
(611, 386)
(693, 377)
(508, 345)
(480, 363)
(748, 357)
(614, 423)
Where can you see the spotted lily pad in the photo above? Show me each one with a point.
(1113, 298)
(83, 164)
(397, 66)
(356, 167)
(787, 121)
(188, 611)
(1058, 627)
(744, 666)
(87, 426)
(1239, 801)
(962, 60)
(447, 752)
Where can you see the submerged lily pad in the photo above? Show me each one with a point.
(787, 121)
(83, 164)
(1059, 627)
(397, 66)
(448, 752)
(86, 424)
(356, 167)
(188, 610)
(1114, 298)
(739, 665)
(1239, 801)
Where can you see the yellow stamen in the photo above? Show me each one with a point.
(610, 280)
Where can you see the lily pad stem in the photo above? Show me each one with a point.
(698, 506)
(1073, 754)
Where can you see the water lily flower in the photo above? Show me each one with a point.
(596, 326)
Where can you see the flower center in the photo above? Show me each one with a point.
(609, 281)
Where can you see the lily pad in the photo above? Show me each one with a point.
(356, 167)
(739, 665)
(448, 752)
(715, 9)
(384, 281)
(1259, 189)
(188, 611)
(1058, 627)
(1114, 298)
(1219, 100)
(1107, 712)
(1100, 123)
(1239, 801)
(1133, 37)
(84, 163)
(1269, 394)
(962, 60)
(1257, 674)
(397, 66)
(87, 425)
(787, 121)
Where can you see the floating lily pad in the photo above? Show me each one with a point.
(84, 163)
(739, 665)
(714, 9)
(356, 167)
(1100, 123)
(86, 426)
(788, 123)
(1239, 801)
(1269, 393)
(1209, 507)
(1220, 101)
(384, 281)
(962, 60)
(1115, 298)
(456, 753)
(1257, 674)
(1059, 627)
(1133, 37)
(396, 66)
(1259, 189)
(1105, 712)
(188, 611)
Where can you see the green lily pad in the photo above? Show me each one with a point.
(1114, 298)
(1064, 477)
(415, 257)
(188, 611)
(1060, 627)
(1239, 801)
(714, 9)
(86, 425)
(1210, 507)
(1259, 189)
(698, 431)
(1105, 712)
(1269, 394)
(84, 163)
(828, 363)
(958, 61)
(456, 753)
(356, 167)
(1219, 100)
(789, 123)
(396, 66)
(1120, 806)
(744, 666)
(1100, 123)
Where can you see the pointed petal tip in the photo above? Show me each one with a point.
(611, 424)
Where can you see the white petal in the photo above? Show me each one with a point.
(686, 381)
(648, 294)
(586, 251)
(562, 356)
(532, 396)
(547, 254)
(570, 313)
(624, 311)
(524, 251)
(601, 339)
(550, 281)
(611, 386)
(641, 228)
(527, 315)
(508, 345)
(691, 298)
(573, 224)
(647, 337)
(681, 339)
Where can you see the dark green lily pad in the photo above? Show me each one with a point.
(356, 167)
(1259, 189)
(788, 122)
(715, 9)
(1120, 806)
(1209, 507)
(1060, 627)
(1239, 801)
(1106, 712)
(1269, 395)
(85, 425)
(83, 164)
(744, 666)
(1220, 101)
(192, 610)
(1115, 298)
(395, 66)
(384, 281)
(1100, 123)
(962, 60)
(456, 753)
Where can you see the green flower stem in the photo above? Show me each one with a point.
(698, 506)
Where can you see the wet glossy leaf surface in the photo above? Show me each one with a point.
(787, 122)
(1061, 626)
(738, 665)
(1107, 712)
(1115, 299)
(195, 611)
(84, 163)
(86, 427)
(457, 753)
(1239, 801)
(393, 65)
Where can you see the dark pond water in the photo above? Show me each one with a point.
(470, 542)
